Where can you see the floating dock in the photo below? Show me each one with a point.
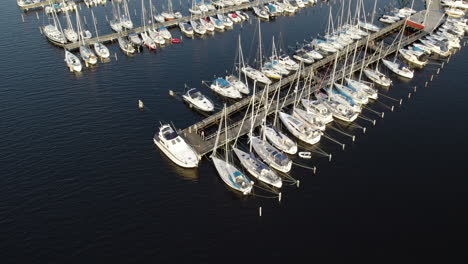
(203, 142)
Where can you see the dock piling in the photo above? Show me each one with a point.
(260, 211)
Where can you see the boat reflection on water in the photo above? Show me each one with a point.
(184, 173)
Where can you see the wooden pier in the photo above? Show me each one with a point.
(43, 4)
(196, 135)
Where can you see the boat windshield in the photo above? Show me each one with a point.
(195, 94)
(222, 82)
(169, 134)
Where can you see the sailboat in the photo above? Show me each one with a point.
(101, 50)
(375, 75)
(86, 53)
(153, 33)
(198, 28)
(232, 176)
(218, 24)
(53, 32)
(72, 61)
(224, 88)
(69, 32)
(147, 40)
(125, 46)
(207, 24)
(261, 12)
(115, 22)
(175, 147)
(126, 20)
(251, 163)
(170, 14)
(236, 81)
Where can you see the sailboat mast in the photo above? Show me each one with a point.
(333, 76)
(252, 119)
(373, 12)
(260, 43)
(345, 64)
(365, 52)
(95, 26)
(352, 62)
(226, 132)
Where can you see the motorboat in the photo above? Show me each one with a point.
(186, 28)
(195, 98)
(207, 24)
(226, 20)
(288, 63)
(224, 88)
(165, 33)
(198, 28)
(218, 24)
(175, 147)
(126, 46)
(411, 57)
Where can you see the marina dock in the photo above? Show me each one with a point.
(171, 23)
(203, 142)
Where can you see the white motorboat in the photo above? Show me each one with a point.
(280, 140)
(270, 155)
(165, 33)
(310, 118)
(377, 77)
(319, 109)
(72, 61)
(258, 169)
(186, 28)
(226, 20)
(399, 68)
(261, 12)
(207, 24)
(299, 129)
(135, 40)
(126, 46)
(198, 100)
(412, 58)
(255, 75)
(371, 92)
(198, 28)
(224, 88)
(288, 63)
(422, 47)
(234, 17)
(368, 26)
(218, 24)
(238, 84)
(175, 147)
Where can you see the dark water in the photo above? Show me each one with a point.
(82, 182)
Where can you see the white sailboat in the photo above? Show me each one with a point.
(272, 156)
(70, 32)
(218, 24)
(198, 28)
(226, 20)
(175, 147)
(72, 61)
(232, 176)
(207, 24)
(53, 32)
(300, 130)
(101, 50)
(126, 46)
(87, 55)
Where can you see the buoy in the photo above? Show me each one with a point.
(140, 105)
(175, 40)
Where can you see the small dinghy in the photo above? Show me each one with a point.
(305, 154)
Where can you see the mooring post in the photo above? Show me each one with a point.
(260, 211)
(279, 197)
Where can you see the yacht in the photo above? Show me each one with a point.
(399, 68)
(319, 109)
(186, 28)
(273, 157)
(224, 88)
(175, 147)
(54, 35)
(258, 169)
(198, 100)
(377, 77)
